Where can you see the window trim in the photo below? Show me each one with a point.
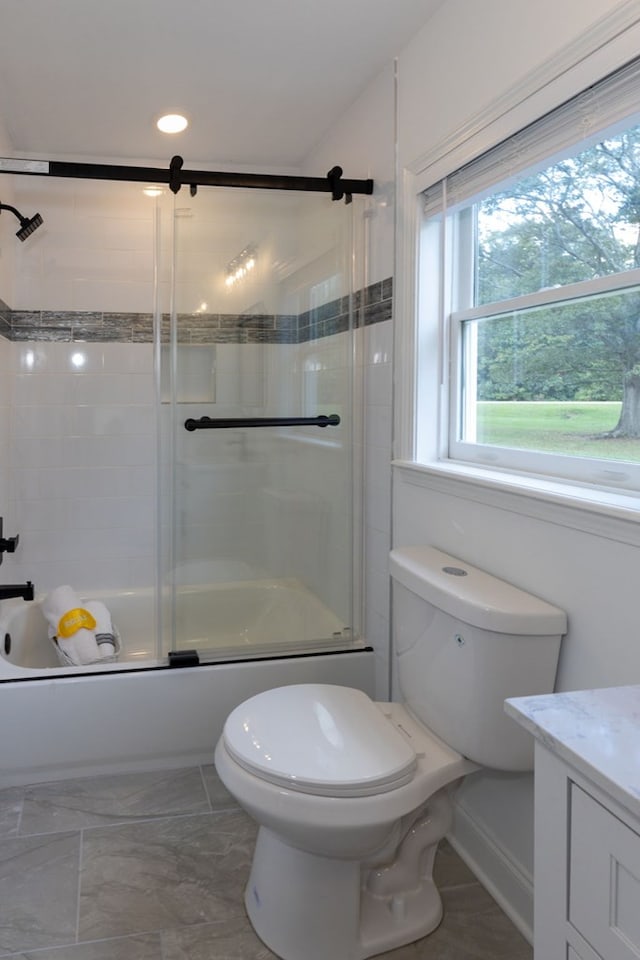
(614, 516)
(610, 283)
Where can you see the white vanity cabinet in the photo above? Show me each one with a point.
(587, 823)
(586, 868)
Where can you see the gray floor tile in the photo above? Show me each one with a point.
(219, 796)
(164, 873)
(409, 952)
(449, 870)
(170, 887)
(127, 948)
(38, 891)
(10, 809)
(73, 804)
(227, 940)
(473, 928)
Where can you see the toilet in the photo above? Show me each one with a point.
(352, 796)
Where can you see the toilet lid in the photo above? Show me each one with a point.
(317, 738)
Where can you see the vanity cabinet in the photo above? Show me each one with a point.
(587, 822)
(586, 868)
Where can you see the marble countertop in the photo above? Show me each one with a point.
(596, 731)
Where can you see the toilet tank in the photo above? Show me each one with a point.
(463, 642)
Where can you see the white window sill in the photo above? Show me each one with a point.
(601, 512)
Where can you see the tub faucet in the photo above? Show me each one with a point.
(7, 544)
(24, 590)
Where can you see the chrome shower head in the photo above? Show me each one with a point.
(27, 225)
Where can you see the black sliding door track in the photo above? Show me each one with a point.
(176, 177)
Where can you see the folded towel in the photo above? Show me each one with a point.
(105, 637)
(71, 624)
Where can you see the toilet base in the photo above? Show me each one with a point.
(306, 907)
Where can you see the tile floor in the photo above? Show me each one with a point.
(152, 867)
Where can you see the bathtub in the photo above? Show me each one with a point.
(223, 621)
(141, 714)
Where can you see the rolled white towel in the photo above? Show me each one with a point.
(80, 646)
(105, 637)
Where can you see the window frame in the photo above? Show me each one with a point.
(452, 259)
(598, 472)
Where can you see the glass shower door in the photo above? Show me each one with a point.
(258, 550)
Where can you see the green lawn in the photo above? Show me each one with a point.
(560, 427)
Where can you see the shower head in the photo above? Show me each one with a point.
(27, 225)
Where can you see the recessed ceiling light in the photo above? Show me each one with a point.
(172, 123)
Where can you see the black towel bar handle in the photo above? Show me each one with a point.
(210, 423)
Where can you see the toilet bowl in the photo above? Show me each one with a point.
(366, 772)
(352, 796)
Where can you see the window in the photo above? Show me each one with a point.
(536, 247)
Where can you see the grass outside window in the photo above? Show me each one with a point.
(567, 427)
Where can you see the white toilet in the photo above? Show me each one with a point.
(352, 796)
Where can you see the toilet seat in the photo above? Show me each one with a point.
(321, 739)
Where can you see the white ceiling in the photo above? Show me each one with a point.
(260, 80)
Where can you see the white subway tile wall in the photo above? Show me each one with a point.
(82, 453)
(6, 349)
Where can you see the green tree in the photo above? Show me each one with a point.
(579, 219)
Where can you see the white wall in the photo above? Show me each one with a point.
(362, 142)
(470, 55)
(461, 67)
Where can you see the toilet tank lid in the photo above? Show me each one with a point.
(473, 596)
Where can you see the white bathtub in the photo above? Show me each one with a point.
(222, 621)
(139, 713)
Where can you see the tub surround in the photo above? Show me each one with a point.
(595, 731)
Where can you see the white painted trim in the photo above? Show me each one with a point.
(510, 885)
(606, 45)
(405, 332)
(615, 516)
(579, 290)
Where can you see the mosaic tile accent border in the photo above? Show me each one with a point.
(371, 305)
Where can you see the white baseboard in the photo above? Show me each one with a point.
(508, 884)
